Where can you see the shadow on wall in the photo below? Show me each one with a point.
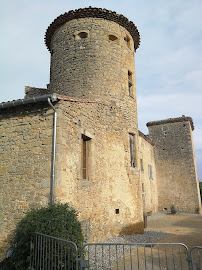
(134, 228)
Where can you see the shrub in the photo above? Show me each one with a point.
(59, 220)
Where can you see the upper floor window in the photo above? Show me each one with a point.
(132, 150)
(150, 172)
(112, 37)
(130, 84)
(128, 41)
(141, 165)
(84, 156)
(81, 35)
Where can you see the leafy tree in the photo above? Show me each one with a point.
(59, 220)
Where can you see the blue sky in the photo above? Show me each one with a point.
(168, 62)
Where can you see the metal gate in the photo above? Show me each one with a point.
(49, 252)
(195, 258)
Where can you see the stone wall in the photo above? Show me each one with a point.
(25, 152)
(112, 184)
(175, 164)
(148, 174)
(26, 137)
(92, 67)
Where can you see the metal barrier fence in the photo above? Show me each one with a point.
(195, 258)
(48, 252)
(135, 256)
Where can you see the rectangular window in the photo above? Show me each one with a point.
(127, 40)
(132, 150)
(150, 172)
(130, 84)
(84, 156)
(142, 188)
(141, 165)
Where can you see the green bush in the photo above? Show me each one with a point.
(59, 220)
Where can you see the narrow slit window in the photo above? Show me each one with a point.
(84, 156)
(127, 40)
(141, 165)
(132, 150)
(142, 188)
(150, 172)
(130, 84)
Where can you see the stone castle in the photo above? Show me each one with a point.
(78, 140)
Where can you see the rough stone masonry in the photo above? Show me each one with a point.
(105, 167)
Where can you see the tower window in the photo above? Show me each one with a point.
(81, 35)
(132, 150)
(127, 40)
(130, 84)
(84, 156)
(113, 38)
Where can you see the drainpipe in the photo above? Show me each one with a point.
(53, 154)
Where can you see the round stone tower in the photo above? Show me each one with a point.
(92, 54)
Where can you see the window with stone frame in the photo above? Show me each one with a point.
(130, 84)
(85, 141)
(132, 150)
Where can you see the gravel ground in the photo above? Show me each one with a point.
(149, 236)
(104, 257)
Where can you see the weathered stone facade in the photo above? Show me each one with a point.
(175, 164)
(148, 174)
(107, 169)
(26, 148)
